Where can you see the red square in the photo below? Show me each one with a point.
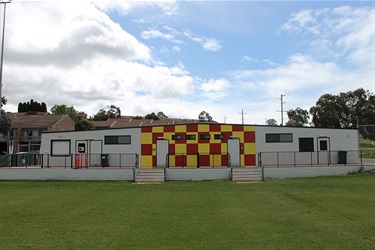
(215, 127)
(204, 160)
(146, 129)
(183, 139)
(154, 160)
(172, 150)
(203, 140)
(155, 136)
(249, 137)
(237, 127)
(180, 161)
(224, 160)
(146, 149)
(191, 149)
(215, 148)
(250, 160)
(169, 128)
(192, 128)
(227, 135)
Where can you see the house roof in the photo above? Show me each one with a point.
(128, 121)
(45, 120)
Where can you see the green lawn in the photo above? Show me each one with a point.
(306, 213)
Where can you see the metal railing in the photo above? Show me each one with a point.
(205, 160)
(123, 160)
(326, 158)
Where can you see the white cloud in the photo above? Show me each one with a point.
(215, 89)
(345, 32)
(74, 54)
(153, 34)
(210, 44)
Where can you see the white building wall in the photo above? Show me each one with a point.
(91, 138)
(338, 140)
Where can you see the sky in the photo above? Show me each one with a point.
(184, 57)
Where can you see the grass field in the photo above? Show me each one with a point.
(306, 213)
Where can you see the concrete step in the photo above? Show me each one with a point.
(149, 175)
(246, 174)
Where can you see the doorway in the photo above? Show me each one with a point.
(234, 151)
(162, 150)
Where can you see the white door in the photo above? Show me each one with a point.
(323, 151)
(94, 151)
(162, 152)
(234, 152)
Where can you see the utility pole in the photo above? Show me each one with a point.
(225, 119)
(242, 113)
(2, 54)
(282, 109)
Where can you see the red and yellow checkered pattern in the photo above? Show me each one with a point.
(184, 153)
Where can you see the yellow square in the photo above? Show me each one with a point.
(226, 128)
(180, 148)
(180, 128)
(239, 135)
(249, 148)
(159, 129)
(168, 136)
(204, 148)
(248, 128)
(146, 161)
(203, 127)
(191, 161)
(172, 161)
(242, 160)
(146, 138)
(224, 148)
(216, 160)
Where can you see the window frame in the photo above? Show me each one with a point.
(279, 138)
(205, 137)
(116, 140)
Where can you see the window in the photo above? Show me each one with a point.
(117, 139)
(205, 137)
(271, 138)
(60, 147)
(219, 137)
(176, 137)
(306, 144)
(323, 145)
(190, 137)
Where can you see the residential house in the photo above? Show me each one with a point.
(26, 131)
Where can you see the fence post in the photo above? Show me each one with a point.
(197, 160)
(277, 159)
(360, 153)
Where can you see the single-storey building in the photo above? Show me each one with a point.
(200, 145)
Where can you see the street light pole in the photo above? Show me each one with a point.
(2, 54)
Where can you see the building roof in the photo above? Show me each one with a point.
(128, 121)
(42, 121)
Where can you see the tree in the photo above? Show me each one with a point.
(84, 124)
(5, 122)
(346, 110)
(297, 117)
(32, 107)
(63, 109)
(271, 122)
(112, 112)
(204, 117)
(152, 116)
(161, 115)
(354, 109)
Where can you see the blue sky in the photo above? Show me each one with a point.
(183, 57)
